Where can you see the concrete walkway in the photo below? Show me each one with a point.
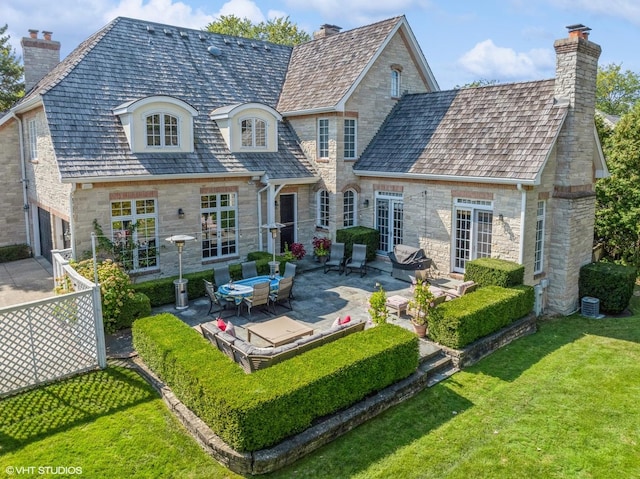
(25, 280)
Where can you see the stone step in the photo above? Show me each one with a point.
(438, 367)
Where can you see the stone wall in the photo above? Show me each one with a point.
(12, 220)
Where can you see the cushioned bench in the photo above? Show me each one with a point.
(252, 358)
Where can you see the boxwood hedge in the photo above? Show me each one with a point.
(253, 411)
(494, 271)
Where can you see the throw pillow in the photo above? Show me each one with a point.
(231, 329)
(345, 320)
(221, 325)
(336, 323)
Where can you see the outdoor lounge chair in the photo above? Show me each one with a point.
(249, 270)
(282, 294)
(358, 260)
(221, 275)
(336, 258)
(260, 296)
(461, 290)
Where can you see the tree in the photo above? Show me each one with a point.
(617, 223)
(11, 85)
(616, 91)
(477, 83)
(277, 30)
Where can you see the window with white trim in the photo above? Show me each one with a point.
(254, 133)
(350, 138)
(134, 229)
(322, 209)
(395, 83)
(323, 138)
(538, 260)
(33, 139)
(349, 208)
(219, 221)
(162, 130)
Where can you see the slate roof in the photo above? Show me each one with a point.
(502, 132)
(323, 70)
(124, 61)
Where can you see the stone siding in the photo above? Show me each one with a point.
(12, 220)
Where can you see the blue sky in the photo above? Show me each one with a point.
(463, 40)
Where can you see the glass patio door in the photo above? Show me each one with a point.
(473, 231)
(389, 220)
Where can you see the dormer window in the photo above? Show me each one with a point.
(396, 71)
(162, 130)
(254, 133)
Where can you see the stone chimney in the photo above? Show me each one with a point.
(326, 30)
(572, 206)
(40, 56)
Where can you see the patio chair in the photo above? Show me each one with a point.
(260, 296)
(221, 275)
(249, 270)
(290, 272)
(210, 290)
(282, 294)
(358, 260)
(462, 289)
(336, 258)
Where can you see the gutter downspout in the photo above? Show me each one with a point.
(260, 217)
(72, 224)
(523, 206)
(23, 171)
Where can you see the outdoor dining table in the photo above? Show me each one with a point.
(236, 291)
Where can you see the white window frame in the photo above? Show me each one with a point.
(224, 236)
(162, 134)
(252, 127)
(138, 212)
(396, 78)
(322, 208)
(350, 138)
(350, 208)
(475, 208)
(32, 126)
(323, 138)
(538, 256)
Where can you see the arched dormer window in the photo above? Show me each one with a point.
(254, 133)
(156, 123)
(396, 77)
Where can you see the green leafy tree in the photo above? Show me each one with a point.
(11, 85)
(617, 224)
(277, 30)
(477, 83)
(616, 91)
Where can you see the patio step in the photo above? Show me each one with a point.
(435, 363)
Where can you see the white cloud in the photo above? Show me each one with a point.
(488, 61)
(162, 11)
(628, 10)
(243, 9)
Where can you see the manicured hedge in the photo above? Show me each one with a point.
(611, 283)
(494, 271)
(359, 235)
(461, 321)
(137, 307)
(14, 252)
(253, 411)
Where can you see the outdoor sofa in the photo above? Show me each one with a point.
(252, 358)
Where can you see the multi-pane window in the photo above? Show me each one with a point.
(395, 83)
(349, 138)
(134, 226)
(349, 208)
(219, 221)
(538, 261)
(162, 130)
(33, 140)
(323, 138)
(254, 133)
(473, 231)
(323, 209)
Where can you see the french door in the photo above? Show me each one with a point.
(389, 219)
(473, 229)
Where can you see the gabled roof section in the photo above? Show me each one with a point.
(323, 71)
(502, 133)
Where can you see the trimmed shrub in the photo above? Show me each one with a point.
(137, 307)
(494, 271)
(253, 411)
(359, 235)
(611, 283)
(460, 322)
(14, 252)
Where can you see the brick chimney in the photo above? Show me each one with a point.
(326, 30)
(573, 202)
(40, 55)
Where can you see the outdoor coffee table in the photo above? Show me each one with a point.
(279, 331)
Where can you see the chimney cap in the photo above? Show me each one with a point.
(578, 27)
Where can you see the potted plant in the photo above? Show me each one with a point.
(321, 248)
(378, 306)
(420, 306)
(298, 251)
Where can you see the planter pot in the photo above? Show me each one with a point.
(420, 329)
(322, 259)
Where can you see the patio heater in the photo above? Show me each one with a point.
(182, 297)
(274, 266)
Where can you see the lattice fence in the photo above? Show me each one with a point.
(52, 338)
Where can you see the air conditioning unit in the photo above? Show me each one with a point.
(591, 307)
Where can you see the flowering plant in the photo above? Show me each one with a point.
(422, 302)
(321, 246)
(297, 250)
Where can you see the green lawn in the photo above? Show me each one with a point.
(560, 403)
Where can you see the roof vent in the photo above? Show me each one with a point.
(267, 48)
(240, 43)
(168, 32)
(184, 34)
(254, 45)
(150, 29)
(226, 40)
(201, 37)
(215, 51)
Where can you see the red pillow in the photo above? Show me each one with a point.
(345, 320)
(221, 325)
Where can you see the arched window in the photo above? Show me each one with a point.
(323, 209)
(162, 130)
(395, 83)
(254, 133)
(350, 213)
